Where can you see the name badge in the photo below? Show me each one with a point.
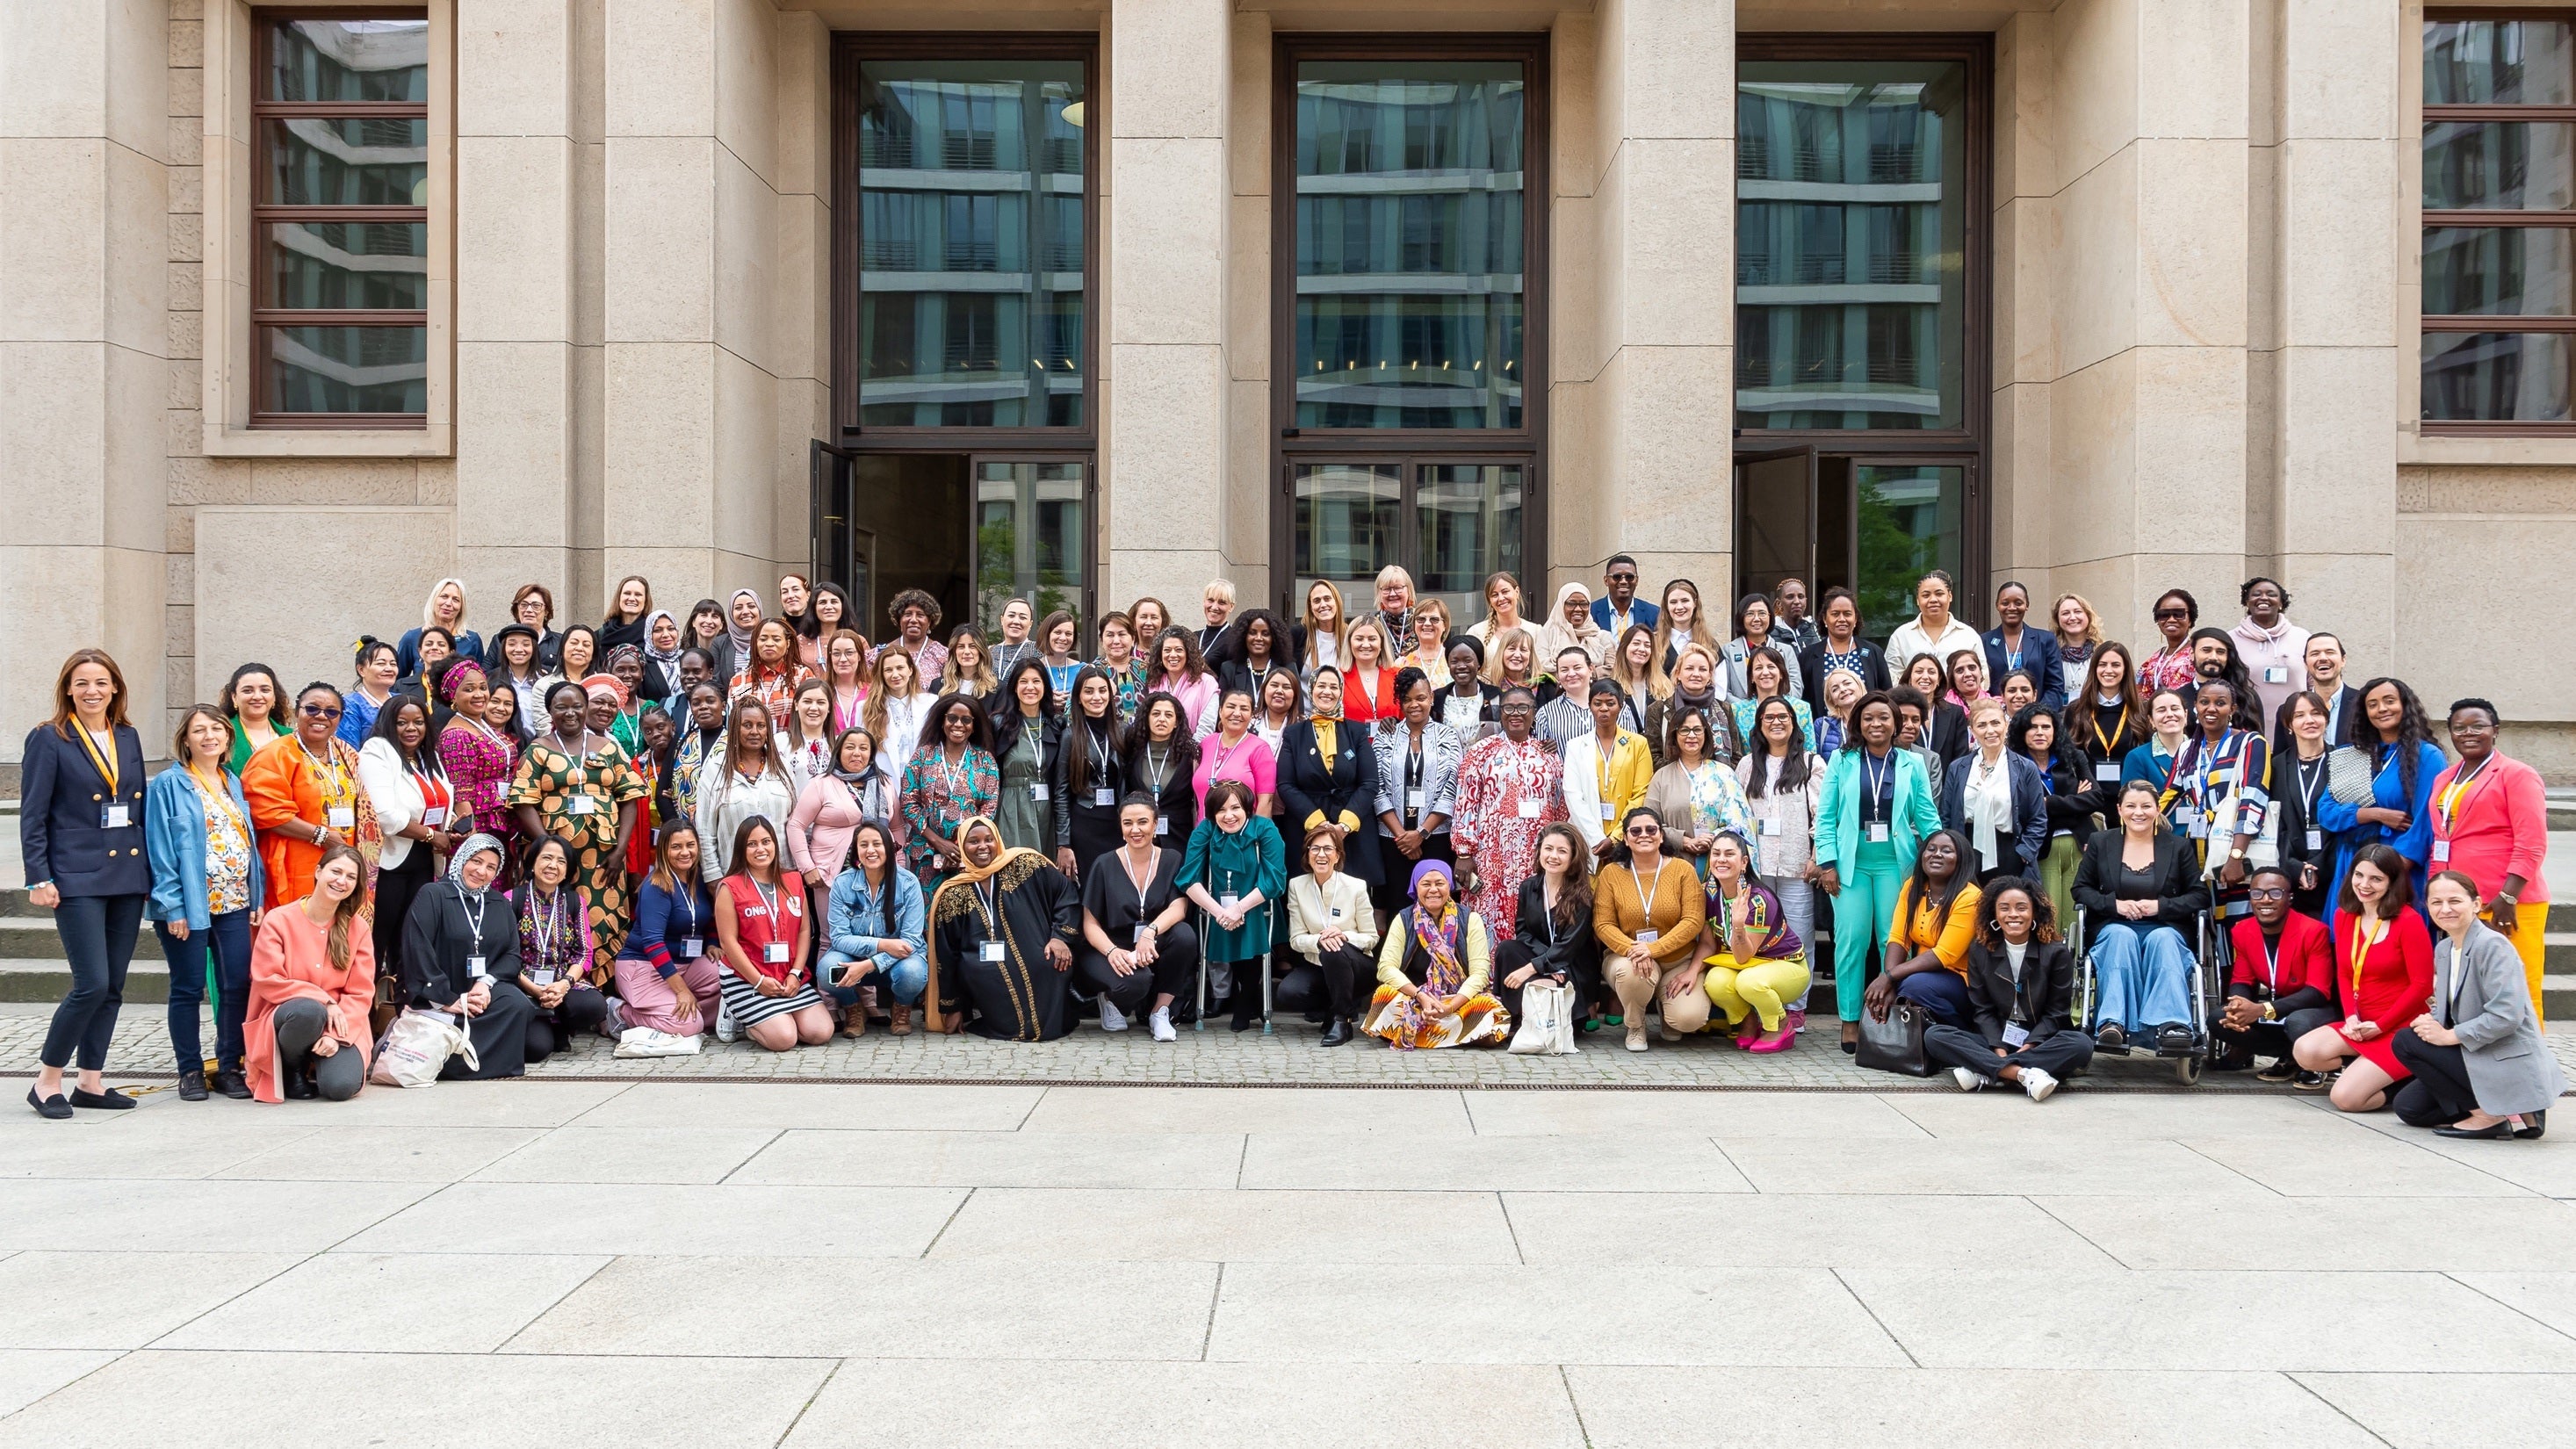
(2276, 675)
(775, 952)
(1530, 809)
(1878, 832)
(475, 969)
(1336, 913)
(2441, 852)
(1162, 825)
(2107, 771)
(1137, 937)
(1771, 826)
(2199, 828)
(580, 805)
(1649, 936)
(1103, 799)
(2316, 839)
(341, 817)
(992, 951)
(1227, 901)
(690, 947)
(543, 977)
(1609, 811)
(116, 817)
(2016, 1034)
(1038, 792)
(434, 815)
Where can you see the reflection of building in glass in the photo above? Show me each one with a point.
(1910, 519)
(971, 242)
(1848, 257)
(1409, 245)
(1028, 537)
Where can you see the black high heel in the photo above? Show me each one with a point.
(2533, 1125)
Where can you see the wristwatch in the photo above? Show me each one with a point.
(2234, 854)
(2269, 1014)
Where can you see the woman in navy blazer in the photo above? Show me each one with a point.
(2024, 648)
(206, 890)
(1342, 790)
(80, 832)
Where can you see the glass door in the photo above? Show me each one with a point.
(1775, 519)
(1032, 538)
(973, 531)
(1448, 523)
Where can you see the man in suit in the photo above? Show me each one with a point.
(1618, 607)
(2343, 702)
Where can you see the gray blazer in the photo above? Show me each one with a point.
(2481, 993)
(1738, 686)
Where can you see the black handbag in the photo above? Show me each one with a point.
(1896, 1044)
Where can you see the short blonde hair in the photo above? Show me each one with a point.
(1395, 574)
(2092, 616)
(1984, 703)
(1220, 589)
(1385, 649)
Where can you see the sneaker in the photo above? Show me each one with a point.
(192, 1086)
(1637, 1037)
(2038, 1083)
(1160, 1024)
(1968, 1081)
(2308, 1082)
(645, 1041)
(725, 1029)
(1111, 1018)
(2280, 1070)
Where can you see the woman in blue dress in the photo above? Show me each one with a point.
(2398, 742)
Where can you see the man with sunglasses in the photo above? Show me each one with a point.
(2283, 985)
(1618, 607)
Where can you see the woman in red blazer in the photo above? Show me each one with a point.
(2383, 975)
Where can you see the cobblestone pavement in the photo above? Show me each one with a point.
(1216, 1056)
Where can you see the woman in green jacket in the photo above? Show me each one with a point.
(1874, 810)
(1235, 868)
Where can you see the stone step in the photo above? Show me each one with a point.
(32, 938)
(147, 980)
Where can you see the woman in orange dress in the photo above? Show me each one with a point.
(312, 982)
(305, 798)
(2384, 976)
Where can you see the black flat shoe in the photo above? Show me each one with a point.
(1337, 1033)
(52, 1109)
(101, 1101)
(2533, 1124)
(192, 1086)
(1246, 1023)
(233, 1084)
(2173, 1038)
(2496, 1131)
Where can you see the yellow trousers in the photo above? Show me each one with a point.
(1762, 987)
(2529, 938)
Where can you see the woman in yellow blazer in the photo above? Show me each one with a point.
(1648, 910)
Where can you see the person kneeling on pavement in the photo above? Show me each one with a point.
(2021, 986)
(2283, 984)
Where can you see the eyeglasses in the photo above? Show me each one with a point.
(2267, 895)
(320, 711)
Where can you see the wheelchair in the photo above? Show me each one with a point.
(2207, 989)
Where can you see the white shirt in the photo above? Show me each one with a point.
(1911, 638)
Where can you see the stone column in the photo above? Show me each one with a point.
(1646, 233)
(1165, 388)
(2325, 326)
(528, 151)
(84, 347)
(2148, 418)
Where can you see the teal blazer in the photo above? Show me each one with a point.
(1838, 811)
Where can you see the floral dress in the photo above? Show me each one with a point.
(942, 797)
(579, 800)
(479, 761)
(1508, 794)
(227, 857)
(1718, 804)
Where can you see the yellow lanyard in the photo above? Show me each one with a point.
(2361, 943)
(216, 795)
(337, 787)
(2452, 798)
(106, 766)
(2117, 731)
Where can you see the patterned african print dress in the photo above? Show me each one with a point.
(579, 800)
(1449, 957)
(1508, 794)
(941, 796)
(479, 761)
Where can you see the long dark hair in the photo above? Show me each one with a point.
(2401, 881)
(934, 725)
(741, 856)
(1107, 731)
(1795, 766)
(389, 720)
(1918, 886)
(338, 942)
(2412, 728)
(1574, 897)
(1006, 706)
(1184, 746)
(2083, 709)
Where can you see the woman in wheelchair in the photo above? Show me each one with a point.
(1927, 939)
(2383, 973)
(2021, 983)
(2139, 889)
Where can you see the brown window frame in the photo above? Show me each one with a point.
(266, 318)
(2430, 218)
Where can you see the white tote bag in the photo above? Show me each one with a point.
(416, 1046)
(644, 1041)
(1547, 1020)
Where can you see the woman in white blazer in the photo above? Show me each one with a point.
(399, 769)
(1331, 925)
(2481, 1068)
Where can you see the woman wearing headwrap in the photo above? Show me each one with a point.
(626, 676)
(478, 757)
(461, 959)
(1432, 970)
(574, 782)
(1001, 942)
(1571, 627)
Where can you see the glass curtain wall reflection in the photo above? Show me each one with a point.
(1410, 234)
(972, 198)
(1029, 538)
(1851, 212)
(340, 218)
(2499, 204)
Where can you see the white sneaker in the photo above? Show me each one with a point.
(2038, 1083)
(725, 1029)
(1111, 1018)
(1636, 1038)
(1968, 1081)
(1160, 1023)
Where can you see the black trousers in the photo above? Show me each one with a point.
(2439, 1093)
(98, 935)
(1512, 956)
(1174, 972)
(395, 888)
(1329, 984)
(301, 1023)
(582, 1009)
(2271, 1038)
(2065, 1051)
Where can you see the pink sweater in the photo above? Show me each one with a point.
(1249, 761)
(820, 827)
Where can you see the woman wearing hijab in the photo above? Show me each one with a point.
(742, 620)
(1002, 932)
(1431, 970)
(461, 959)
(662, 646)
(312, 983)
(1571, 627)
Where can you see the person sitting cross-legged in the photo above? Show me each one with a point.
(2021, 984)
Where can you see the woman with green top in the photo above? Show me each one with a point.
(1875, 809)
(1235, 867)
(1028, 735)
(256, 709)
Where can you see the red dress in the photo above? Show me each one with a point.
(1369, 696)
(2394, 985)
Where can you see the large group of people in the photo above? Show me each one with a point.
(758, 823)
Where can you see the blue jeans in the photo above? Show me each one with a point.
(2144, 974)
(1942, 995)
(906, 980)
(228, 937)
(98, 934)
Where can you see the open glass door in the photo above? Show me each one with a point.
(1775, 521)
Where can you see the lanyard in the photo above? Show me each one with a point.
(1098, 745)
(686, 898)
(1547, 916)
(2454, 798)
(1216, 771)
(954, 776)
(216, 795)
(2312, 778)
(2271, 962)
(579, 759)
(984, 902)
(1159, 771)
(769, 901)
(1142, 883)
(479, 903)
(553, 922)
(2118, 731)
(338, 787)
(1646, 892)
(2362, 941)
(106, 767)
(1873, 781)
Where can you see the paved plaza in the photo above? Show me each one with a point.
(576, 1261)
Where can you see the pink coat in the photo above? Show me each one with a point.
(290, 961)
(2498, 827)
